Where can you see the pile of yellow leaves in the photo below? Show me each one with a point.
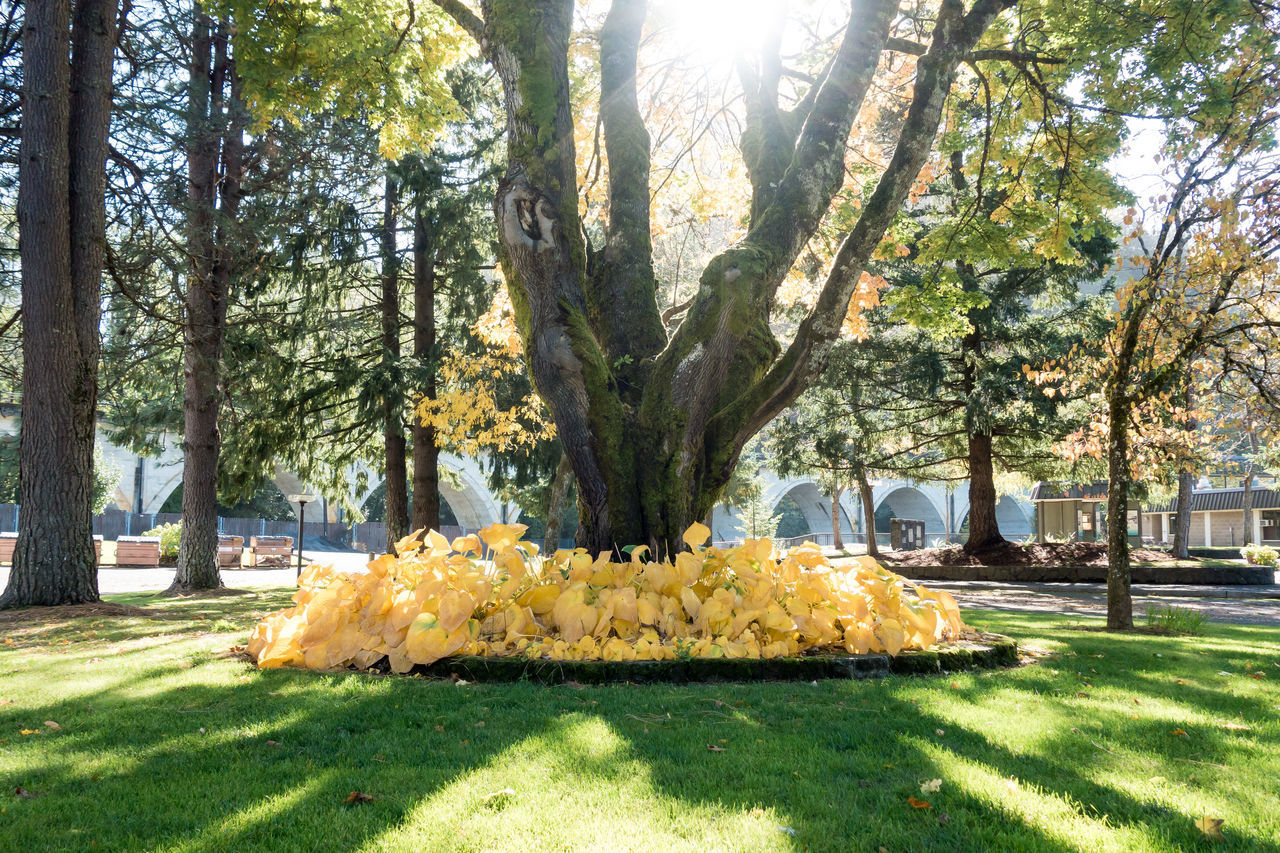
(491, 595)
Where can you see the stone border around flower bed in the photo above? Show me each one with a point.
(1203, 575)
(989, 652)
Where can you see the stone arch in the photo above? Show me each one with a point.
(914, 503)
(169, 481)
(1012, 515)
(465, 490)
(814, 506)
(1015, 525)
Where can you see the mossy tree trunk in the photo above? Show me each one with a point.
(560, 485)
(1119, 594)
(66, 116)
(654, 426)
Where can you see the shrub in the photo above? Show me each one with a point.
(490, 595)
(170, 538)
(1260, 555)
(1176, 620)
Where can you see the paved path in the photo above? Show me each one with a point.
(1236, 610)
(1244, 605)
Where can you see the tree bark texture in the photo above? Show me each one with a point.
(1119, 594)
(984, 530)
(215, 170)
(867, 500)
(393, 440)
(556, 503)
(653, 427)
(66, 117)
(1182, 529)
(426, 454)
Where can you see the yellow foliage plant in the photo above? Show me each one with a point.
(490, 594)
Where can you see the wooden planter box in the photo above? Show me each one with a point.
(9, 541)
(138, 551)
(270, 550)
(230, 550)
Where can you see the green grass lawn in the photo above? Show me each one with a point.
(168, 742)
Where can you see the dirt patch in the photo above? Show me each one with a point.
(220, 592)
(1013, 554)
(67, 612)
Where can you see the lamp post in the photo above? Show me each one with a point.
(301, 501)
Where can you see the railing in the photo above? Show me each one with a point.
(114, 523)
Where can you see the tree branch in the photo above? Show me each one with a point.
(463, 17)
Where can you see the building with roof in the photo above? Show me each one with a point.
(1218, 517)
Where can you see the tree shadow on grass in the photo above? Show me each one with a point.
(835, 763)
(187, 756)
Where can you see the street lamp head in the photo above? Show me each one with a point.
(302, 499)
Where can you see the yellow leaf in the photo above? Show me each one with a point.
(1210, 826)
(697, 534)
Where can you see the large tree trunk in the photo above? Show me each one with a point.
(66, 117)
(215, 163)
(560, 484)
(426, 455)
(393, 441)
(1182, 530)
(654, 428)
(868, 512)
(1119, 596)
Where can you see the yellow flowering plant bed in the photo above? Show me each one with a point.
(490, 594)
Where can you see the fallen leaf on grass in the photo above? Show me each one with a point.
(1210, 826)
(51, 724)
(788, 830)
(939, 732)
(1258, 675)
(30, 731)
(23, 792)
(1082, 693)
(713, 748)
(1235, 727)
(931, 787)
(1178, 733)
(358, 797)
(505, 792)
(273, 743)
(918, 804)
(944, 818)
